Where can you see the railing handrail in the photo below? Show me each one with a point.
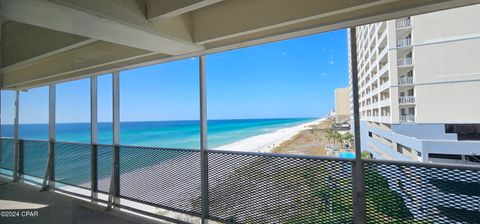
(404, 61)
(313, 157)
(403, 23)
(404, 42)
(407, 118)
(406, 99)
(405, 80)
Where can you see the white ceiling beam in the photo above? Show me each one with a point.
(30, 61)
(59, 17)
(237, 18)
(158, 9)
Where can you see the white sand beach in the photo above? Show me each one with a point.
(266, 142)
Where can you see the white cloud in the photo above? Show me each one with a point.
(284, 53)
(324, 74)
(332, 62)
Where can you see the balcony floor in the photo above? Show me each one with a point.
(55, 208)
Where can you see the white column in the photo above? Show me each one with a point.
(49, 177)
(115, 179)
(203, 139)
(93, 111)
(116, 108)
(51, 112)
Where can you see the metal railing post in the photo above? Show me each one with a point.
(359, 203)
(49, 178)
(15, 176)
(203, 140)
(93, 136)
(115, 179)
(21, 161)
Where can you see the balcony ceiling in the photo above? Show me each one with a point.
(50, 41)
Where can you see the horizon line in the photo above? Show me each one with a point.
(87, 122)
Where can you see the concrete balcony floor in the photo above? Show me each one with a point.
(55, 208)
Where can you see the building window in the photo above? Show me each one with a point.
(444, 156)
(464, 131)
(475, 159)
(370, 134)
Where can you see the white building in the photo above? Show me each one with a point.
(419, 87)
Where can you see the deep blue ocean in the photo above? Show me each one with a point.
(173, 134)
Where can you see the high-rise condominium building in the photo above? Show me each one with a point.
(342, 105)
(419, 86)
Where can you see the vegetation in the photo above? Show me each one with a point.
(347, 138)
(366, 155)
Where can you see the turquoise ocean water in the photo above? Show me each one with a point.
(72, 165)
(175, 134)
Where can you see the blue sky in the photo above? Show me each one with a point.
(291, 78)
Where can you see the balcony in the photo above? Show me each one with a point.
(384, 85)
(404, 61)
(404, 43)
(407, 118)
(403, 81)
(383, 69)
(406, 99)
(168, 181)
(403, 23)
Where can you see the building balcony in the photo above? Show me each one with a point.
(404, 61)
(407, 118)
(384, 102)
(404, 43)
(383, 86)
(405, 81)
(403, 23)
(385, 119)
(406, 99)
(383, 69)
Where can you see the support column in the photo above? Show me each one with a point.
(49, 179)
(93, 136)
(16, 146)
(358, 169)
(203, 139)
(115, 180)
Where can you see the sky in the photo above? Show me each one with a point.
(285, 79)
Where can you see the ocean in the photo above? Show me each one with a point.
(71, 164)
(170, 134)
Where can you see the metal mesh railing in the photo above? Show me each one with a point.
(104, 167)
(35, 157)
(406, 193)
(72, 164)
(270, 189)
(7, 154)
(167, 178)
(264, 188)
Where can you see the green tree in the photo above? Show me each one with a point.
(347, 138)
(329, 135)
(337, 137)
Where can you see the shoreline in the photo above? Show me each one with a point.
(266, 142)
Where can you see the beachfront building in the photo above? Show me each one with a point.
(419, 80)
(342, 105)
